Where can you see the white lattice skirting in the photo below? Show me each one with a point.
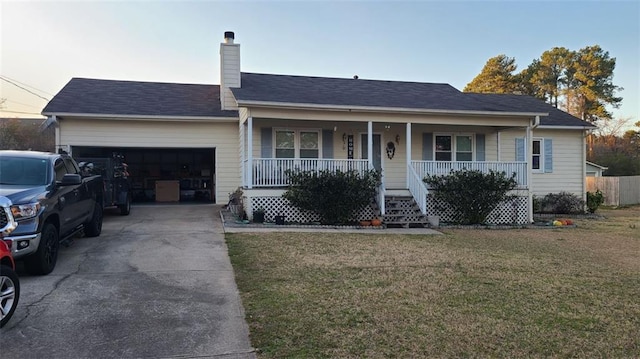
(278, 206)
(515, 211)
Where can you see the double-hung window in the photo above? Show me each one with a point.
(454, 147)
(536, 155)
(297, 143)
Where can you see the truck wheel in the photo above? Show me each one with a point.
(125, 208)
(44, 259)
(9, 293)
(94, 226)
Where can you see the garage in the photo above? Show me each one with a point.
(164, 174)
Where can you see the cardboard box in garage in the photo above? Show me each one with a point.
(167, 191)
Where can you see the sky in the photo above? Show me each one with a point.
(43, 44)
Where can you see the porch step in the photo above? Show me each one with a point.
(403, 211)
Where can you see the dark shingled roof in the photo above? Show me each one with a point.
(351, 92)
(92, 96)
(519, 102)
(134, 98)
(390, 94)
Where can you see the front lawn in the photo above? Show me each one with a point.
(564, 292)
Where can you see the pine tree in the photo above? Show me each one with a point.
(496, 77)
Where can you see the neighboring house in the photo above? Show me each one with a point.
(250, 129)
(594, 170)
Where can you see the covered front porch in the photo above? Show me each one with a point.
(404, 152)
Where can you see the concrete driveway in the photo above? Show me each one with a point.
(156, 284)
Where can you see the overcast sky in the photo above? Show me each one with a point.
(44, 44)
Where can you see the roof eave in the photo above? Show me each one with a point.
(565, 127)
(139, 117)
(311, 106)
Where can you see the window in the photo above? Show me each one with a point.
(454, 148)
(443, 148)
(297, 143)
(285, 144)
(60, 169)
(464, 150)
(536, 155)
(541, 154)
(309, 144)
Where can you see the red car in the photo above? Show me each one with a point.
(9, 283)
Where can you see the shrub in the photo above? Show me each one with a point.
(561, 203)
(471, 194)
(594, 200)
(334, 195)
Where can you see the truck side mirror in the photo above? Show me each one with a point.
(71, 179)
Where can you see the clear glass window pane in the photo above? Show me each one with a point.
(536, 162)
(443, 143)
(464, 156)
(308, 153)
(285, 139)
(463, 143)
(308, 140)
(285, 153)
(443, 156)
(536, 147)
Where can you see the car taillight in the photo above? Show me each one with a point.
(7, 244)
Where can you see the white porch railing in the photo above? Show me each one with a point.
(271, 172)
(422, 168)
(417, 188)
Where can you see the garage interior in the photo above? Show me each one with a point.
(164, 174)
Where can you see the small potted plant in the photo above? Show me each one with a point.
(258, 215)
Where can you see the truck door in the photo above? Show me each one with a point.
(69, 204)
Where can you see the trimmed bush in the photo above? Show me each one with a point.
(335, 196)
(471, 194)
(594, 200)
(560, 203)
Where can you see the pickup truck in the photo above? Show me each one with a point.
(51, 202)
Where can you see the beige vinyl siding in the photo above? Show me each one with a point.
(568, 165)
(223, 136)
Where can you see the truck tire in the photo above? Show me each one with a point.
(93, 228)
(125, 208)
(10, 289)
(44, 259)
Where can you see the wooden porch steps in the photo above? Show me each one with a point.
(403, 211)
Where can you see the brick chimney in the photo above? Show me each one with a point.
(229, 71)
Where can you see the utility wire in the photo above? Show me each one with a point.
(24, 88)
(22, 103)
(26, 85)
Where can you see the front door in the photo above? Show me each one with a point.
(377, 150)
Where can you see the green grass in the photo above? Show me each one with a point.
(469, 293)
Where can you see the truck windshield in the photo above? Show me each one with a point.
(23, 171)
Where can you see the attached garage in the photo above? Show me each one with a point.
(177, 141)
(164, 174)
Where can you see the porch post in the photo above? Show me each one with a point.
(249, 167)
(370, 143)
(498, 155)
(408, 143)
(528, 158)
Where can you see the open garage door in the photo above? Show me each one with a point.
(164, 174)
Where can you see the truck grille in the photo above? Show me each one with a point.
(4, 220)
